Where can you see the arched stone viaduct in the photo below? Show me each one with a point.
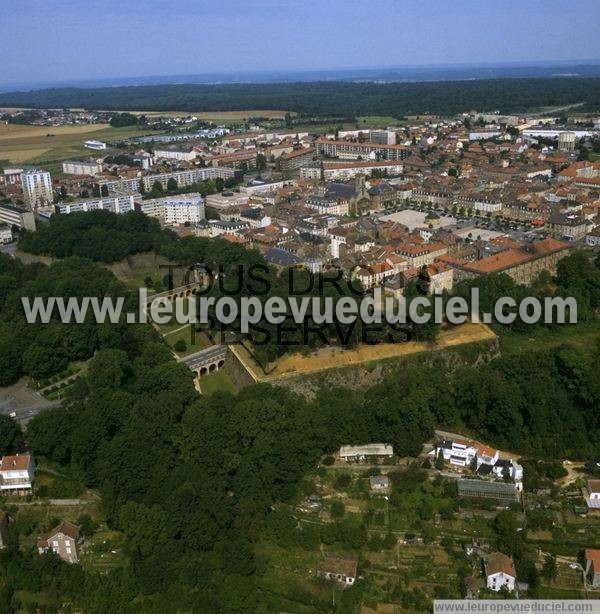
(206, 361)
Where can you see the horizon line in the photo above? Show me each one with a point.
(42, 84)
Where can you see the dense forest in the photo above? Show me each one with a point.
(326, 97)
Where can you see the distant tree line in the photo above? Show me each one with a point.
(327, 98)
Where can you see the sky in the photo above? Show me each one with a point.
(58, 40)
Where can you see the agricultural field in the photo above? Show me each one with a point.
(53, 144)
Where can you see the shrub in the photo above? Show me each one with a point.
(180, 345)
(337, 509)
(342, 481)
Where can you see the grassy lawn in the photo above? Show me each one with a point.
(138, 280)
(580, 335)
(377, 121)
(194, 340)
(367, 121)
(48, 484)
(217, 381)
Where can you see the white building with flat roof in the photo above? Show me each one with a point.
(92, 144)
(187, 177)
(17, 217)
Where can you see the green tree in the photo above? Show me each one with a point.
(550, 568)
(180, 346)
(10, 435)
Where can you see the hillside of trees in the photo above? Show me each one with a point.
(327, 97)
(42, 350)
(193, 481)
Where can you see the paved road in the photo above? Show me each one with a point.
(213, 353)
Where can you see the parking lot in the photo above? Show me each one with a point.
(462, 225)
(22, 402)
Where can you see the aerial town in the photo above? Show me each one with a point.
(299, 307)
(466, 196)
(462, 197)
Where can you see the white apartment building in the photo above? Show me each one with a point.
(116, 204)
(37, 188)
(153, 207)
(383, 137)
(175, 154)
(188, 177)
(17, 217)
(262, 186)
(120, 186)
(481, 203)
(184, 208)
(350, 150)
(349, 170)
(74, 167)
(16, 473)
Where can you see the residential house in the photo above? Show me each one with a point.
(593, 498)
(500, 572)
(375, 275)
(16, 474)
(64, 540)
